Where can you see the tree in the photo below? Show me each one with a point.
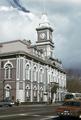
(73, 80)
(74, 85)
(53, 90)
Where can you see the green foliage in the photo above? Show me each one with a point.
(54, 88)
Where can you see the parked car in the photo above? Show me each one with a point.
(70, 109)
(6, 102)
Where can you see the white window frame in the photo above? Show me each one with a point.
(34, 74)
(7, 91)
(35, 91)
(41, 75)
(27, 72)
(28, 91)
(8, 74)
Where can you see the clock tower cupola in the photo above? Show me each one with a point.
(44, 36)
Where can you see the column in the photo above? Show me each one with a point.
(20, 79)
(38, 82)
(45, 84)
(31, 97)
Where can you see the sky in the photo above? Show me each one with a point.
(64, 17)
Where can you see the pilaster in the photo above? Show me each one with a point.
(38, 82)
(31, 81)
(20, 79)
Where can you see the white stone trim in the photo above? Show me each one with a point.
(9, 59)
(27, 86)
(8, 62)
(7, 85)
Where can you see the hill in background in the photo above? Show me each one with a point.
(73, 80)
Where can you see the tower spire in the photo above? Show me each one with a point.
(44, 10)
(44, 22)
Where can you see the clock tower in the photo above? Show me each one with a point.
(44, 37)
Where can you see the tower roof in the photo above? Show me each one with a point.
(44, 22)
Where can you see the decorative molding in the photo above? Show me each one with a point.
(8, 62)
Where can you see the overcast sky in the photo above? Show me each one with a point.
(64, 16)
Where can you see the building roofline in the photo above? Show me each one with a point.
(32, 57)
(55, 60)
(13, 41)
(43, 28)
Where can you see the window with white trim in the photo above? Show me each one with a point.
(41, 92)
(8, 71)
(27, 91)
(27, 72)
(41, 75)
(34, 74)
(7, 91)
(35, 93)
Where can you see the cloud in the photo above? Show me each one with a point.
(67, 37)
(16, 24)
(64, 16)
(58, 1)
(66, 1)
(4, 8)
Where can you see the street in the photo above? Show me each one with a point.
(29, 112)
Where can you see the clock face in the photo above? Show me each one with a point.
(42, 35)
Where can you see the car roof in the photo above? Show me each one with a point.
(77, 100)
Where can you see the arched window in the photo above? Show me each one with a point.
(28, 91)
(8, 71)
(41, 92)
(7, 91)
(34, 74)
(41, 75)
(28, 72)
(35, 91)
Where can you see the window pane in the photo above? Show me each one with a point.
(27, 73)
(21, 85)
(8, 71)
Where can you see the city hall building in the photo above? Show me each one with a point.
(28, 72)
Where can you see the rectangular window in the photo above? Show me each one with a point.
(28, 74)
(21, 85)
(6, 73)
(34, 75)
(11, 73)
(35, 93)
(28, 93)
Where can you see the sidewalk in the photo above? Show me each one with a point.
(47, 104)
